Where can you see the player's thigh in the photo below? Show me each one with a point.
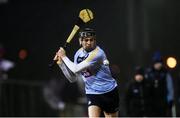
(115, 114)
(94, 111)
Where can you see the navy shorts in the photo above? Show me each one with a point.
(108, 102)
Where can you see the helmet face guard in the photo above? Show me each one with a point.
(87, 32)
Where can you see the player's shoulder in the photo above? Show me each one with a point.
(79, 50)
(98, 50)
(95, 54)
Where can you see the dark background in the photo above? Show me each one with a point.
(129, 31)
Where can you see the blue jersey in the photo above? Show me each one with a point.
(96, 73)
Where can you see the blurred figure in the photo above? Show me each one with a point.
(138, 95)
(5, 65)
(65, 99)
(162, 86)
(178, 95)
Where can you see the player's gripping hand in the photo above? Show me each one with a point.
(57, 59)
(61, 52)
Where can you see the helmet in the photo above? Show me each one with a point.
(85, 33)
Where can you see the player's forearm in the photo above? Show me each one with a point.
(68, 74)
(75, 68)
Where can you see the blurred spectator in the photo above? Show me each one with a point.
(178, 95)
(64, 98)
(5, 65)
(163, 91)
(138, 95)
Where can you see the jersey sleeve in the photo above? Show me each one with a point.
(72, 77)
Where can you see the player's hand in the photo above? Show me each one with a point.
(61, 52)
(57, 59)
